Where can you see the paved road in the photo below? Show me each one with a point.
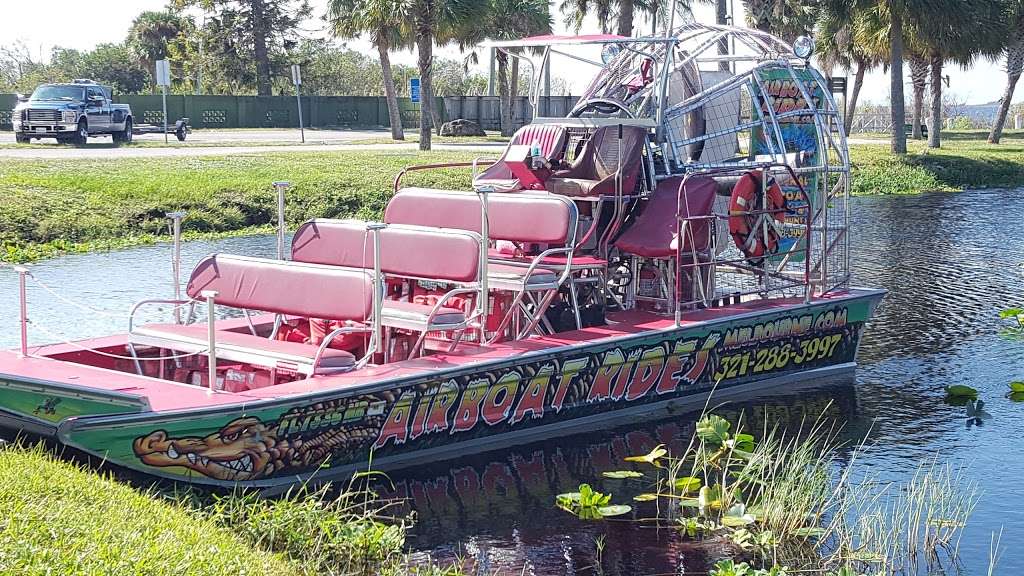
(204, 143)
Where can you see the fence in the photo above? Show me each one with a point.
(259, 111)
(205, 111)
(486, 110)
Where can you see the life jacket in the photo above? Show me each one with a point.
(753, 235)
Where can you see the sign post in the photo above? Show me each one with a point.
(414, 89)
(297, 80)
(163, 79)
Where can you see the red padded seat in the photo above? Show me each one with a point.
(653, 233)
(549, 137)
(593, 172)
(409, 251)
(239, 346)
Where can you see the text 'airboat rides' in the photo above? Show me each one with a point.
(682, 230)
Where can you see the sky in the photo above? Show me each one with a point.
(109, 20)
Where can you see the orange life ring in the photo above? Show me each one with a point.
(746, 210)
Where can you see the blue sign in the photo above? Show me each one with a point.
(414, 89)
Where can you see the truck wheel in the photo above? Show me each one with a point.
(125, 136)
(20, 139)
(81, 134)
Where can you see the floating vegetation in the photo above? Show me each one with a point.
(589, 504)
(960, 394)
(780, 501)
(1015, 318)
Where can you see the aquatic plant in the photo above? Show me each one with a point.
(589, 504)
(960, 394)
(780, 499)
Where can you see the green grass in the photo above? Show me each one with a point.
(61, 519)
(965, 160)
(58, 517)
(53, 206)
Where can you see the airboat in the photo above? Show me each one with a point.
(682, 232)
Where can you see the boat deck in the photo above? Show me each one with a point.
(165, 395)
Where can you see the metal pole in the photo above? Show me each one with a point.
(490, 74)
(176, 217)
(281, 187)
(164, 90)
(211, 332)
(22, 273)
(485, 297)
(298, 102)
(374, 347)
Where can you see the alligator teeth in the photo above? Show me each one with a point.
(204, 460)
(247, 463)
(191, 457)
(172, 453)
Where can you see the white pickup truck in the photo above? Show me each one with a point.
(71, 113)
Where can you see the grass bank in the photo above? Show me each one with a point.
(53, 206)
(965, 160)
(74, 205)
(57, 517)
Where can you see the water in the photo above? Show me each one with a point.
(950, 261)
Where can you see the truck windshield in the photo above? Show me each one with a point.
(73, 93)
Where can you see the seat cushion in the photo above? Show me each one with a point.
(502, 275)
(405, 312)
(236, 345)
(572, 186)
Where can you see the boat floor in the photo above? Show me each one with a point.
(165, 395)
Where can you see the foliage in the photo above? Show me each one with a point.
(779, 500)
(250, 39)
(588, 504)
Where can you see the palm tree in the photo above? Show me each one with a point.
(1014, 51)
(436, 21)
(845, 39)
(786, 19)
(919, 83)
(150, 34)
(621, 12)
(950, 36)
(384, 22)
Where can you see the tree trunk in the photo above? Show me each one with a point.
(1014, 64)
(858, 83)
(259, 42)
(1004, 108)
(513, 93)
(919, 81)
(394, 114)
(935, 131)
(721, 17)
(898, 113)
(625, 24)
(503, 95)
(425, 59)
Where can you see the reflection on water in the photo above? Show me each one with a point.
(950, 261)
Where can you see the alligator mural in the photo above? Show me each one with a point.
(249, 449)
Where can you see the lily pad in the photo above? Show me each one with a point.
(961, 391)
(713, 430)
(645, 497)
(1016, 396)
(614, 510)
(687, 484)
(651, 457)
(736, 516)
(622, 474)
(1011, 313)
(1017, 386)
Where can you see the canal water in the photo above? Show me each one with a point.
(950, 261)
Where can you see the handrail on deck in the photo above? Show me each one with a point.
(474, 164)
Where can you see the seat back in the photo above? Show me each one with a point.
(653, 233)
(521, 217)
(549, 137)
(601, 158)
(292, 288)
(407, 251)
